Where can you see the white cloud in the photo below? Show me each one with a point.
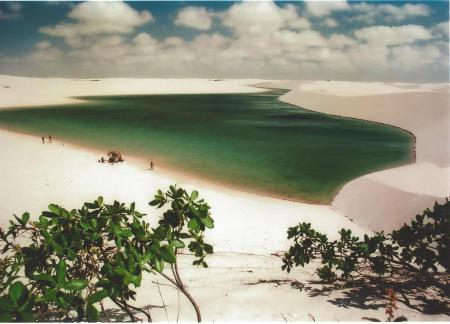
(97, 17)
(325, 8)
(144, 39)
(194, 17)
(265, 40)
(43, 45)
(441, 30)
(410, 56)
(340, 41)
(45, 52)
(371, 13)
(330, 22)
(387, 35)
(262, 17)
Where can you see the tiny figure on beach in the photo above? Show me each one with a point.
(102, 160)
(151, 165)
(50, 138)
(43, 140)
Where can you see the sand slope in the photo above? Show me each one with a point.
(387, 199)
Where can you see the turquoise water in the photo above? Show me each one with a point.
(252, 141)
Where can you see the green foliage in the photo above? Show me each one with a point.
(422, 247)
(65, 263)
(187, 219)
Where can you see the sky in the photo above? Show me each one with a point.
(404, 41)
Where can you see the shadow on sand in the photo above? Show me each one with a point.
(370, 293)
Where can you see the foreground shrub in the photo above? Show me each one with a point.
(63, 265)
(413, 260)
(422, 247)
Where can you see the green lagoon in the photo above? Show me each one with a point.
(251, 141)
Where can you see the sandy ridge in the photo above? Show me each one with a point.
(385, 200)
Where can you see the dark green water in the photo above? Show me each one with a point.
(253, 141)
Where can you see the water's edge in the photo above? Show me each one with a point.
(198, 179)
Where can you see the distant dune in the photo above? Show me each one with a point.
(384, 200)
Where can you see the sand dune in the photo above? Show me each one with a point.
(244, 281)
(19, 91)
(384, 200)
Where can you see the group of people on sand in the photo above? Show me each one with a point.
(116, 157)
(113, 157)
(49, 139)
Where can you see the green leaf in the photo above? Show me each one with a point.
(49, 295)
(26, 315)
(178, 244)
(364, 247)
(125, 233)
(45, 278)
(185, 235)
(71, 254)
(208, 248)
(208, 222)
(92, 313)
(97, 296)
(25, 217)
(58, 248)
(6, 305)
(193, 225)
(159, 265)
(76, 284)
(61, 272)
(6, 318)
(103, 283)
(167, 254)
(90, 205)
(194, 195)
(54, 209)
(121, 271)
(16, 292)
(136, 280)
(154, 202)
(21, 222)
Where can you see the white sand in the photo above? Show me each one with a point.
(384, 200)
(248, 227)
(19, 91)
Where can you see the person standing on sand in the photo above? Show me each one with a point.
(43, 140)
(50, 138)
(151, 165)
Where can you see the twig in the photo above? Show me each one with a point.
(188, 295)
(180, 286)
(161, 284)
(178, 310)
(149, 317)
(104, 311)
(126, 309)
(162, 300)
